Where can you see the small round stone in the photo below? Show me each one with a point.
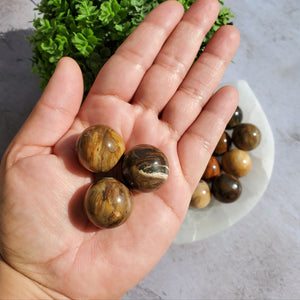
(223, 144)
(201, 196)
(246, 136)
(236, 118)
(145, 168)
(108, 203)
(212, 169)
(236, 162)
(99, 148)
(226, 188)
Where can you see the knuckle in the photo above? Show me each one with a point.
(172, 64)
(202, 142)
(195, 93)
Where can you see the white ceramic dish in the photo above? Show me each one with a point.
(200, 224)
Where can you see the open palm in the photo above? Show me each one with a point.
(147, 92)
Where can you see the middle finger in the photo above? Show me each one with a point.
(177, 55)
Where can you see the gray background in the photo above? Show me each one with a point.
(259, 257)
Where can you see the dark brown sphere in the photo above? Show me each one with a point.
(108, 203)
(145, 168)
(201, 196)
(223, 144)
(246, 136)
(236, 118)
(226, 188)
(212, 169)
(99, 148)
(236, 162)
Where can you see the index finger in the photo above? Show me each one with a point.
(123, 72)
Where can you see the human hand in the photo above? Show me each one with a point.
(149, 93)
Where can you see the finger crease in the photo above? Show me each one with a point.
(60, 109)
(194, 93)
(133, 57)
(173, 65)
(195, 23)
(203, 142)
(212, 61)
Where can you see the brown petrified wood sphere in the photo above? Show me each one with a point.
(226, 188)
(108, 203)
(246, 136)
(99, 148)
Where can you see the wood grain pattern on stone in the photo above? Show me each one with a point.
(246, 136)
(108, 203)
(99, 148)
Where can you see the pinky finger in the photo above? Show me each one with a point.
(199, 141)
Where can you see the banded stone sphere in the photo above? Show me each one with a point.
(99, 148)
(226, 188)
(108, 203)
(201, 196)
(236, 162)
(246, 136)
(145, 168)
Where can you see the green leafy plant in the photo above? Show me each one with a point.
(90, 31)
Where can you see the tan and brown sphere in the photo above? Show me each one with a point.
(236, 162)
(201, 196)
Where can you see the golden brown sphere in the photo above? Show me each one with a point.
(201, 196)
(223, 144)
(108, 203)
(212, 169)
(236, 162)
(99, 148)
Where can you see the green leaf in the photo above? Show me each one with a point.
(90, 31)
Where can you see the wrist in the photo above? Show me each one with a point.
(14, 285)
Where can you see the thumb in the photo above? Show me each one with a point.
(54, 113)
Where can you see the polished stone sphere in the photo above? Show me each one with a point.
(236, 118)
(201, 196)
(236, 162)
(223, 144)
(145, 168)
(108, 203)
(99, 148)
(246, 136)
(226, 188)
(212, 169)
